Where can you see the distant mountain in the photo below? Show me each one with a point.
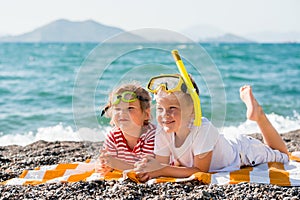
(91, 31)
(159, 35)
(228, 38)
(210, 34)
(207, 35)
(275, 37)
(202, 32)
(67, 31)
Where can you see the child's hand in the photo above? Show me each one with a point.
(143, 177)
(139, 169)
(103, 169)
(108, 160)
(147, 168)
(101, 166)
(148, 164)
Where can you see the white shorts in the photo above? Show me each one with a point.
(253, 152)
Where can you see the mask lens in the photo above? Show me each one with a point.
(126, 97)
(169, 82)
(129, 96)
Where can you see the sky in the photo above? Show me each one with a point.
(233, 16)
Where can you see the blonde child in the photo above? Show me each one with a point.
(182, 149)
(132, 135)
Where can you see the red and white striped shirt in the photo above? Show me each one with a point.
(116, 144)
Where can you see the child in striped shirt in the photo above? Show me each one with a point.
(132, 135)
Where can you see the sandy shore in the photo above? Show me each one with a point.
(14, 159)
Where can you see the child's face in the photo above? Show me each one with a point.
(171, 114)
(129, 117)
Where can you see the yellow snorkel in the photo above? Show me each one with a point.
(190, 87)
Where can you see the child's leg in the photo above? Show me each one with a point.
(256, 113)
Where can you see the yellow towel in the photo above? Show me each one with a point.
(287, 174)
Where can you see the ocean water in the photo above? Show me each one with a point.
(55, 91)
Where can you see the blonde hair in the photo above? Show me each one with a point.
(187, 95)
(184, 94)
(142, 94)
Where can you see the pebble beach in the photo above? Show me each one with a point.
(14, 159)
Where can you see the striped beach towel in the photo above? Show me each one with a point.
(287, 174)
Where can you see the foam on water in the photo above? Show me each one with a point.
(67, 133)
(281, 124)
(53, 133)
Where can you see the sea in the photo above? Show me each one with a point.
(56, 91)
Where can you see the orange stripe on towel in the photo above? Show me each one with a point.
(165, 179)
(203, 177)
(24, 173)
(242, 175)
(80, 177)
(278, 175)
(295, 158)
(132, 176)
(114, 175)
(33, 182)
(67, 166)
(51, 174)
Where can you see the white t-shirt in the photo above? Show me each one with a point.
(230, 152)
(200, 140)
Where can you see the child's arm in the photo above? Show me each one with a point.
(113, 162)
(155, 168)
(118, 164)
(202, 161)
(151, 168)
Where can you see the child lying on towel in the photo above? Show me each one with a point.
(182, 149)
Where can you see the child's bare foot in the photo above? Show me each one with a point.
(254, 110)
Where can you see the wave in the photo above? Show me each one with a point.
(54, 133)
(67, 133)
(281, 124)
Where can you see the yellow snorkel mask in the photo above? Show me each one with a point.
(168, 82)
(190, 88)
(174, 82)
